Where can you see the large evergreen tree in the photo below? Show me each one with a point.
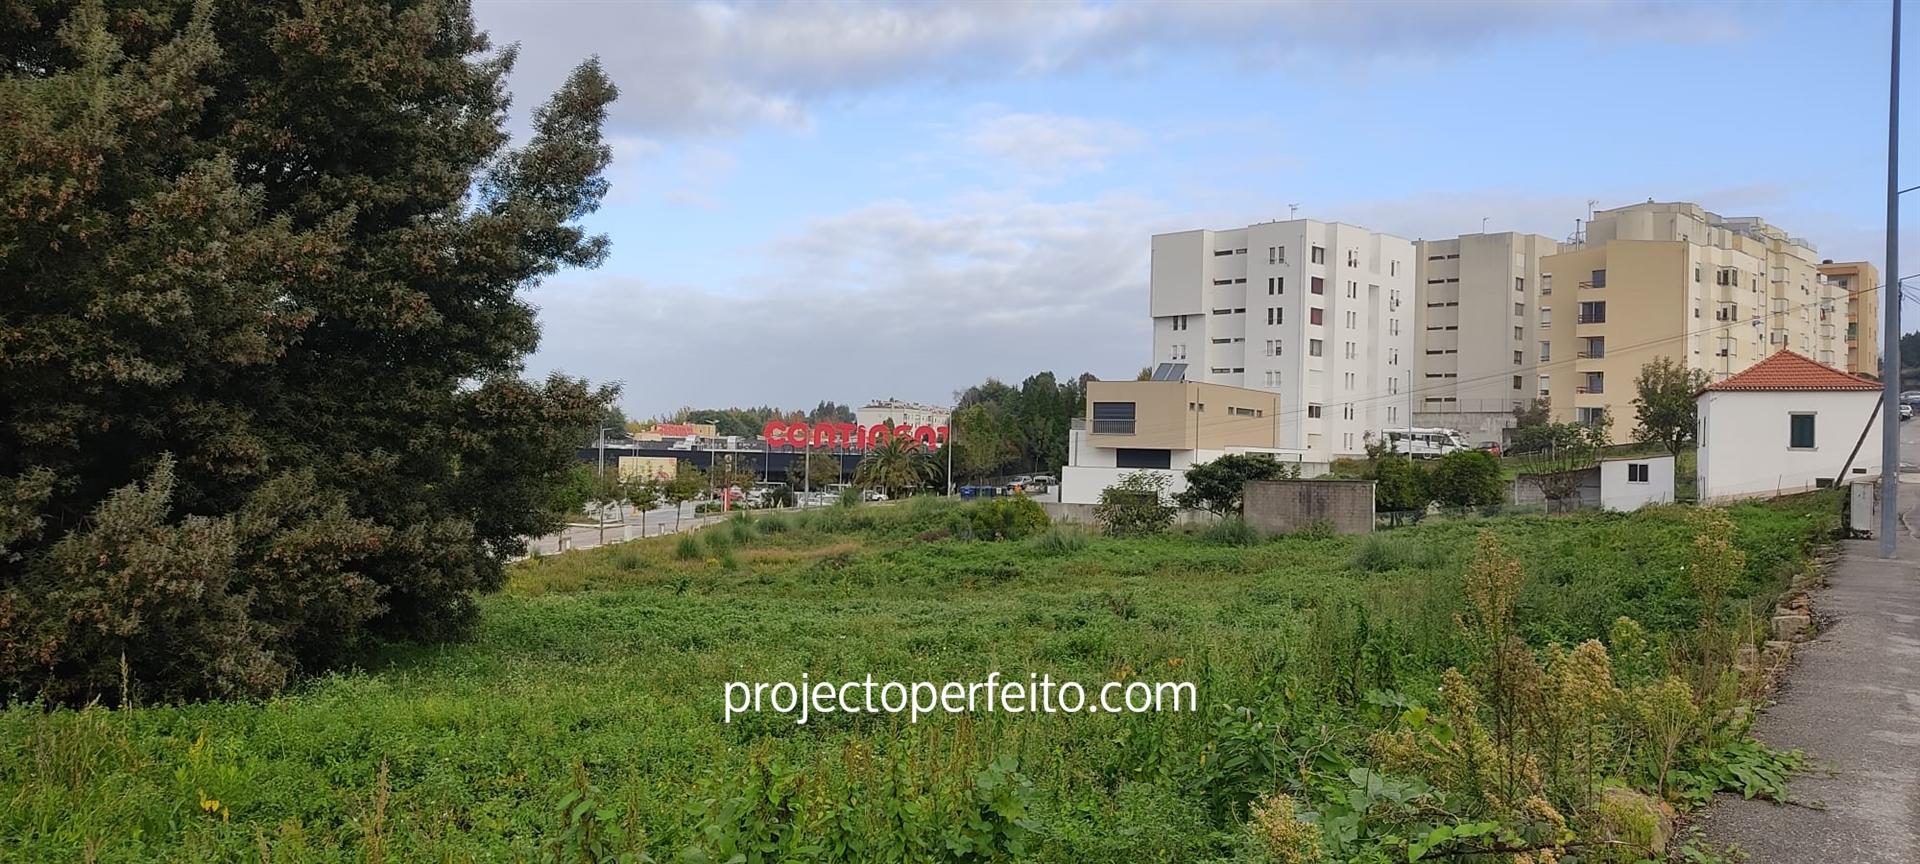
(259, 272)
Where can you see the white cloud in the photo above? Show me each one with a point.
(886, 299)
(1048, 146)
(720, 66)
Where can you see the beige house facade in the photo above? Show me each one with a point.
(1859, 283)
(1674, 280)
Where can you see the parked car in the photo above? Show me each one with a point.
(1910, 397)
(1906, 411)
(1491, 447)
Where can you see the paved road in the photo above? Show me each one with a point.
(1852, 702)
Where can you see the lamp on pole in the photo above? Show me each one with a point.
(1890, 359)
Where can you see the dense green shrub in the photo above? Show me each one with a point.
(687, 547)
(1219, 485)
(1466, 478)
(1136, 505)
(1014, 518)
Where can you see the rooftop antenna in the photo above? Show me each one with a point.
(1292, 209)
(1590, 203)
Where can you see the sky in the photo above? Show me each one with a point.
(858, 201)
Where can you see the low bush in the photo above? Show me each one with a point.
(1382, 552)
(1062, 540)
(741, 528)
(1231, 531)
(687, 548)
(1004, 519)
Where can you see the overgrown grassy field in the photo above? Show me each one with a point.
(584, 719)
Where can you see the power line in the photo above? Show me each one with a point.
(1380, 396)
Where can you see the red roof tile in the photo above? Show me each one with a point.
(1786, 370)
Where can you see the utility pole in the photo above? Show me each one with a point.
(1891, 300)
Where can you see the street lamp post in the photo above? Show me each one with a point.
(1890, 359)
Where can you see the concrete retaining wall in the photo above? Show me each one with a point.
(1082, 514)
(1287, 506)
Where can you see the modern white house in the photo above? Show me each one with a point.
(1320, 313)
(1165, 427)
(1787, 424)
(1634, 482)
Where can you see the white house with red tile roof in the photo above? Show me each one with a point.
(1787, 424)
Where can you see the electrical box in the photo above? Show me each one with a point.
(1863, 507)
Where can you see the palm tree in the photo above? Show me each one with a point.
(893, 465)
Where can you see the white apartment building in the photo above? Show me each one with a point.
(1321, 313)
(900, 413)
(1477, 345)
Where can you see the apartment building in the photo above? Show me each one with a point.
(1321, 313)
(1675, 280)
(1476, 330)
(1859, 283)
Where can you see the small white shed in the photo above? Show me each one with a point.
(1787, 424)
(1633, 483)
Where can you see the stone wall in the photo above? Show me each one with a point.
(1288, 506)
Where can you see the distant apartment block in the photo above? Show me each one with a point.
(1477, 330)
(1321, 313)
(1859, 283)
(1672, 279)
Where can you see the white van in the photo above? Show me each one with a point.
(1426, 442)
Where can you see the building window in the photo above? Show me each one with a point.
(1393, 268)
(1313, 411)
(1546, 284)
(1800, 431)
(1139, 457)
(1353, 257)
(1314, 315)
(1516, 382)
(1520, 284)
(1393, 326)
(1352, 351)
(1350, 380)
(1519, 310)
(1179, 322)
(1276, 285)
(1240, 412)
(1590, 416)
(1314, 347)
(1274, 348)
(1544, 382)
(1276, 315)
(1599, 278)
(1546, 351)
(1318, 255)
(1593, 311)
(1352, 318)
(1637, 472)
(1393, 356)
(1317, 285)
(1546, 316)
(1113, 418)
(1519, 333)
(1519, 358)
(1353, 290)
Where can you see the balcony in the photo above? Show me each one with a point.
(1585, 390)
(1596, 318)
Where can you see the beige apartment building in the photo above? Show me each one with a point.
(1476, 330)
(1675, 280)
(1859, 282)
